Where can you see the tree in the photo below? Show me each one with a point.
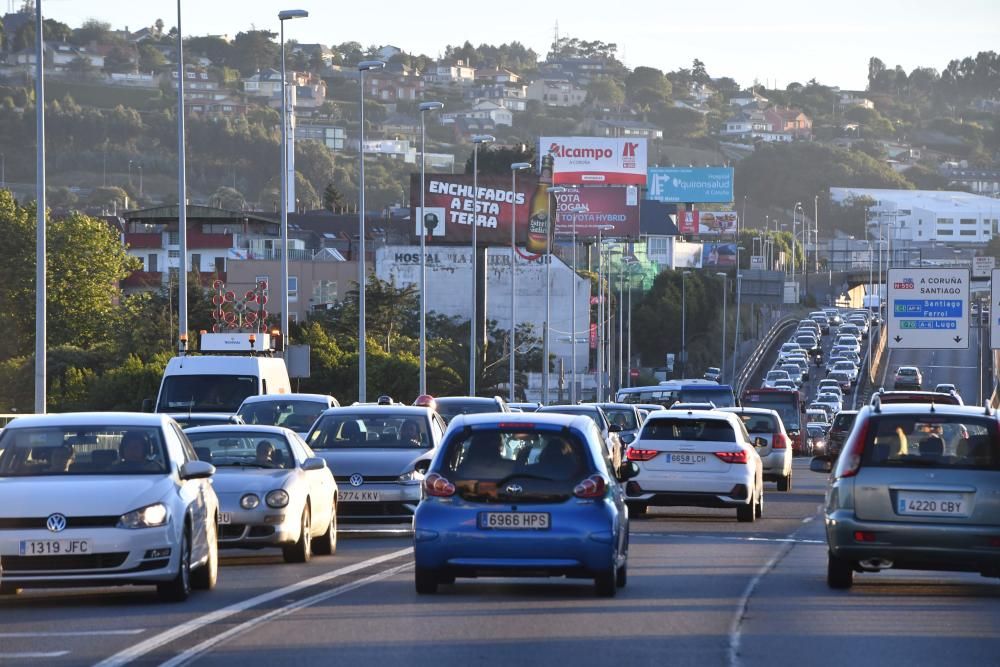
(229, 198)
(81, 65)
(648, 86)
(699, 73)
(159, 27)
(497, 160)
(150, 59)
(254, 50)
(390, 311)
(108, 197)
(94, 31)
(119, 60)
(604, 90)
(333, 201)
(875, 69)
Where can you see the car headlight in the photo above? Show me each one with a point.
(249, 501)
(412, 476)
(276, 498)
(145, 517)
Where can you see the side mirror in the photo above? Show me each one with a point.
(822, 464)
(422, 466)
(759, 442)
(627, 471)
(147, 405)
(614, 428)
(197, 470)
(314, 463)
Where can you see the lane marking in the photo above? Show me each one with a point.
(375, 531)
(966, 368)
(731, 538)
(736, 627)
(34, 654)
(214, 642)
(81, 633)
(158, 641)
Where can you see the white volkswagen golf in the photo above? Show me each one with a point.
(105, 499)
(696, 458)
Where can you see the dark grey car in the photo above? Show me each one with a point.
(915, 488)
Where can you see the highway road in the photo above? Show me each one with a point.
(703, 590)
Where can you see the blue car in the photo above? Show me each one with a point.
(522, 495)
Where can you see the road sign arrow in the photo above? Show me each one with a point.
(898, 338)
(958, 339)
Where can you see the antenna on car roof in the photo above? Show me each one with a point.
(877, 403)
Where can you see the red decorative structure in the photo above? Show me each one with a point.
(246, 314)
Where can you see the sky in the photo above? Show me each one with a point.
(772, 43)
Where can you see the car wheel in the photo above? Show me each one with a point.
(206, 576)
(621, 575)
(606, 583)
(758, 508)
(179, 588)
(637, 509)
(746, 513)
(301, 551)
(785, 483)
(839, 572)
(426, 581)
(326, 545)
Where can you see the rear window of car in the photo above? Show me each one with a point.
(906, 371)
(451, 409)
(623, 418)
(844, 421)
(497, 455)
(593, 413)
(758, 423)
(699, 430)
(932, 441)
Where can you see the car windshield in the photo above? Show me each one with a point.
(450, 408)
(297, 415)
(385, 428)
(777, 375)
(933, 440)
(244, 449)
(758, 423)
(622, 417)
(703, 430)
(81, 450)
(205, 393)
(593, 413)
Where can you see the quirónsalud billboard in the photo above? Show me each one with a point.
(691, 185)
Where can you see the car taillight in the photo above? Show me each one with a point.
(437, 485)
(779, 441)
(633, 454)
(733, 457)
(850, 457)
(594, 486)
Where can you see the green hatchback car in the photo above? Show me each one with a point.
(916, 487)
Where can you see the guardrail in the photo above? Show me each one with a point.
(871, 363)
(760, 352)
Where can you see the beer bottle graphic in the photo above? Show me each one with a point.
(538, 222)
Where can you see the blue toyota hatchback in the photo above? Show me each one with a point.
(524, 495)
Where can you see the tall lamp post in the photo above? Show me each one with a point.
(631, 261)
(725, 298)
(41, 290)
(363, 66)
(182, 314)
(514, 168)
(600, 311)
(424, 108)
(684, 312)
(798, 205)
(476, 141)
(576, 210)
(547, 331)
(283, 16)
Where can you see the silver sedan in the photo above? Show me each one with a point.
(273, 490)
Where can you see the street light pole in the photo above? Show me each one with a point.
(572, 387)
(684, 361)
(424, 108)
(816, 234)
(182, 306)
(363, 66)
(547, 332)
(629, 351)
(476, 141)
(736, 339)
(41, 290)
(514, 168)
(140, 179)
(283, 181)
(725, 298)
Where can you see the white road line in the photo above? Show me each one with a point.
(730, 538)
(217, 640)
(375, 531)
(736, 627)
(81, 633)
(34, 654)
(153, 643)
(966, 368)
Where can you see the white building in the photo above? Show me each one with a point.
(556, 93)
(929, 215)
(483, 109)
(449, 291)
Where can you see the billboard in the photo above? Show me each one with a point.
(687, 221)
(717, 222)
(718, 254)
(691, 184)
(615, 206)
(450, 201)
(687, 256)
(596, 160)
